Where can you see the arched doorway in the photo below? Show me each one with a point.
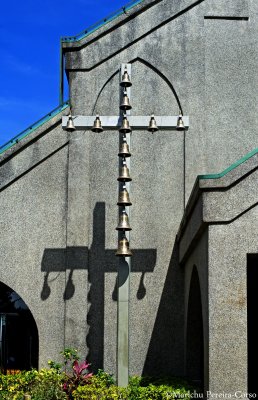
(195, 344)
(18, 333)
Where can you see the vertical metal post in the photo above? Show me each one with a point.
(124, 268)
(2, 343)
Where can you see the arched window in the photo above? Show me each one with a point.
(18, 333)
(194, 347)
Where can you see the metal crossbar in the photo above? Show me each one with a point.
(164, 122)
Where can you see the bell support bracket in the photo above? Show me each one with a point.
(138, 123)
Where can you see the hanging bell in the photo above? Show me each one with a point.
(70, 125)
(125, 127)
(180, 124)
(124, 150)
(123, 198)
(125, 82)
(123, 248)
(123, 224)
(97, 127)
(153, 125)
(124, 175)
(125, 105)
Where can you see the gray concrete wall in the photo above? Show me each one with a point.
(226, 209)
(209, 55)
(220, 256)
(229, 246)
(58, 200)
(198, 258)
(209, 63)
(33, 203)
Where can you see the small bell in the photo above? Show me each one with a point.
(153, 125)
(125, 105)
(124, 175)
(97, 125)
(125, 82)
(125, 127)
(123, 248)
(124, 150)
(70, 125)
(123, 224)
(123, 198)
(180, 124)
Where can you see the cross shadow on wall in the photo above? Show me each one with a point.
(99, 261)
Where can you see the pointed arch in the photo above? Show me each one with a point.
(162, 76)
(194, 334)
(18, 333)
(154, 69)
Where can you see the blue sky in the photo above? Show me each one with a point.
(30, 34)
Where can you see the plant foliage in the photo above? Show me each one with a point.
(72, 380)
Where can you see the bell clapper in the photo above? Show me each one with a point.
(70, 124)
(152, 125)
(180, 122)
(97, 127)
(125, 82)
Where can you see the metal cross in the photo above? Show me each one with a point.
(137, 123)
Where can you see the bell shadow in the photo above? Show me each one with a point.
(62, 260)
(99, 261)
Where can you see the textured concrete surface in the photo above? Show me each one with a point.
(199, 260)
(218, 200)
(228, 214)
(206, 62)
(33, 218)
(59, 192)
(228, 301)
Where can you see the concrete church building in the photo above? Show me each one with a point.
(193, 281)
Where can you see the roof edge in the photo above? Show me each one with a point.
(26, 132)
(230, 168)
(94, 27)
(197, 191)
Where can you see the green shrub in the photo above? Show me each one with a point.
(47, 384)
(13, 387)
(71, 380)
(138, 389)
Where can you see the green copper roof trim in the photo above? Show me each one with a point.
(101, 23)
(32, 128)
(236, 164)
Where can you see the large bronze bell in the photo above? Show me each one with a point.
(125, 82)
(97, 127)
(125, 105)
(125, 127)
(153, 125)
(124, 175)
(123, 198)
(124, 150)
(123, 224)
(70, 125)
(123, 248)
(180, 124)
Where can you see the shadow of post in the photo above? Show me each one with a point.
(99, 261)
